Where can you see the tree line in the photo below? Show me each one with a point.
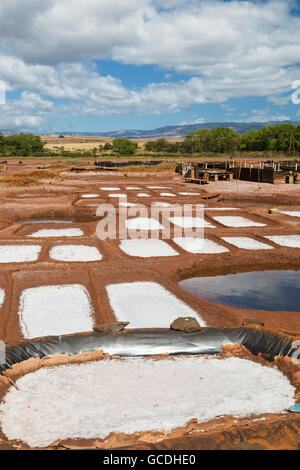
(280, 138)
(20, 145)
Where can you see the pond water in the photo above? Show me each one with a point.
(258, 290)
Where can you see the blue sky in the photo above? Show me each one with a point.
(140, 64)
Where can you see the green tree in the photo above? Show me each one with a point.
(124, 146)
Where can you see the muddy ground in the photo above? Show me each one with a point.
(59, 198)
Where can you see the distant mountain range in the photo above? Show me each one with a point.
(170, 131)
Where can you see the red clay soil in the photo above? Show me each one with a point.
(60, 199)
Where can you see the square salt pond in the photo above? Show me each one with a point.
(291, 241)
(19, 253)
(190, 222)
(147, 305)
(199, 245)
(73, 253)
(143, 223)
(55, 310)
(247, 243)
(147, 248)
(60, 232)
(237, 221)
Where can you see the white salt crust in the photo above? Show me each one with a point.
(188, 194)
(117, 195)
(292, 241)
(221, 208)
(167, 195)
(291, 213)
(199, 245)
(143, 223)
(19, 253)
(237, 221)
(133, 187)
(2, 296)
(75, 253)
(92, 400)
(87, 196)
(128, 204)
(60, 232)
(147, 248)
(158, 187)
(143, 195)
(247, 243)
(147, 305)
(190, 222)
(55, 310)
(162, 204)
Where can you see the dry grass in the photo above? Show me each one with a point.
(161, 167)
(33, 178)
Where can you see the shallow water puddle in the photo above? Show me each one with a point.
(19, 253)
(137, 395)
(147, 305)
(258, 290)
(190, 222)
(81, 253)
(237, 221)
(55, 310)
(147, 248)
(199, 245)
(247, 243)
(292, 241)
(62, 232)
(143, 223)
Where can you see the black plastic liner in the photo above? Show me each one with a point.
(133, 343)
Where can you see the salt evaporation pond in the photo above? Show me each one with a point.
(259, 290)
(95, 399)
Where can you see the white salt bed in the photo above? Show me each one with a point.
(75, 253)
(2, 296)
(117, 195)
(143, 195)
(158, 187)
(221, 208)
(190, 222)
(147, 248)
(291, 213)
(110, 189)
(189, 194)
(237, 221)
(199, 245)
(60, 232)
(147, 305)
(128, 204)
(143, 223)
(247, 243)
(132, 187)
(92, 400)
(292, 241)
(167, 195)
(19, 253)
(86, 196)
(55, 310)
(162, 204)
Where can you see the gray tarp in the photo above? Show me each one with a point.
(132, 343)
